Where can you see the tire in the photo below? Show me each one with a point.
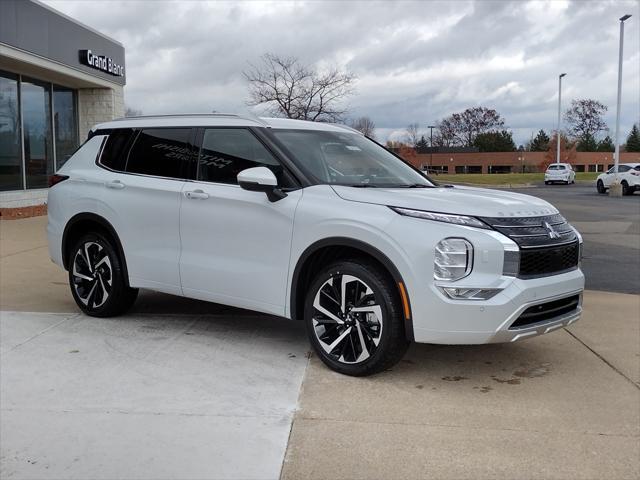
(376, 340)
(96, 277)
(546, 183)
(600, 187)
(625, 188)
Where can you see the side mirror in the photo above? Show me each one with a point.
(261, 179)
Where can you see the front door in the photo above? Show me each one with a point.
(235, 243)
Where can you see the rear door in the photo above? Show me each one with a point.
(235, 243)
(142, 202)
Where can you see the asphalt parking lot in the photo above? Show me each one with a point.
(186, 389)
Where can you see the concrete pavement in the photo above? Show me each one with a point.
(186, 389)
(149, 397)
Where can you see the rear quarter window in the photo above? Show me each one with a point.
(116, 148)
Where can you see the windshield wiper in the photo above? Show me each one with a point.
(363, 185)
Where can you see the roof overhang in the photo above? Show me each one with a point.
(25, 63)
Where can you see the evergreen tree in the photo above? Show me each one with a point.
(497, 141)
(587, 143)
(606, 145)
(541, 142)
(422, 145)
(633, 140)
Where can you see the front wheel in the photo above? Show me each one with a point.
(354, 318)
(97, 279)
(625, 188)
(600, 187)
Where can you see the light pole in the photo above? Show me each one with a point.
(616, 190)
(431, 127)
(559, 107)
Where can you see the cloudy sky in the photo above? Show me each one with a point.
(415, 61)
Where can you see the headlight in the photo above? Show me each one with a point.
(442, 217)
(453, 259)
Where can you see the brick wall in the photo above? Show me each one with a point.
(514, 161)
(96, 105)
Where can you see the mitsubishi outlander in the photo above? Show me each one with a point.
(313, 222)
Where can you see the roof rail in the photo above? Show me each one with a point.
(178, 115)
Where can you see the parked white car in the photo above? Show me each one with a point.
(559, 173)
(629, 174)
(313, 222)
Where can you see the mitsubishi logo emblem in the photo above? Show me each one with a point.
(550, 230)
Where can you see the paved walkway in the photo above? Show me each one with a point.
(184, 389)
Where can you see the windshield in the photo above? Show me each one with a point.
(344, 158)
(556, 167)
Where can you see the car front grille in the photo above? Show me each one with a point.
(546, 311)
(532, 232)
(539, 262)
(548, 244)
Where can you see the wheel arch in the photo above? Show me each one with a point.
(82, 223)
(335, 248)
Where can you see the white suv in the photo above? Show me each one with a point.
(629, 177)
(560, 172)
(313, 222)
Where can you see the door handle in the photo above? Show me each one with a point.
(196, 195)
(117, 184)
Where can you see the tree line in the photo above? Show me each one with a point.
(288, 88)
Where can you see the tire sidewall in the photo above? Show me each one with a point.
(117, 277)
(388, 305)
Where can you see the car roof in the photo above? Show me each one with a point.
(554, 163)
(220, 120)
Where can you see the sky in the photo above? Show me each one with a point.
(414, 61)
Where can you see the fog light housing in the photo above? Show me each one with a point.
(511, 264)
(453, 259)
(457, 293)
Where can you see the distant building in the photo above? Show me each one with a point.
(510, 162)
(57, 79)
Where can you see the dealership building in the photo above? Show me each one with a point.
(58, 78)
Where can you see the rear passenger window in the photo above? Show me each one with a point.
(226, 152)
(162, 152)
(114, 153)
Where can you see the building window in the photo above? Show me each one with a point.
(10, 149)
(36, 122)
(65, 124)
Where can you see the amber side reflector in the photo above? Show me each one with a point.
(405, 301)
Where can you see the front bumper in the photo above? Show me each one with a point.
(478, 322)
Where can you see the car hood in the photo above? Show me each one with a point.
(477, 202)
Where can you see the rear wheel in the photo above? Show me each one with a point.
(600, 187)
(625, 188)
(354, 318)
(96, 277)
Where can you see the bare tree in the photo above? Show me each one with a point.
(293, 90)
(412, 134)
(132, 112)
(585, 119)
(461, 129)
(364, 125)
